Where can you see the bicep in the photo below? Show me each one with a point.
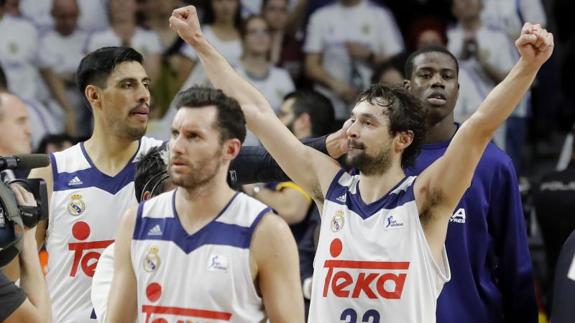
(26, 312)
(45, 174)
(275, 253)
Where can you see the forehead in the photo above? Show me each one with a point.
(366, 109)
(435, 60)
(195, 118)
(125, 70)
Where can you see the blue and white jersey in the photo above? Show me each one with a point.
(203, 277)
(373, 262)
(85, 211)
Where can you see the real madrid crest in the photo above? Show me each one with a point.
(76, 206)
(337, 221)
(152, 260)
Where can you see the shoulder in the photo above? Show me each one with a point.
(325, 13)
(20, 23)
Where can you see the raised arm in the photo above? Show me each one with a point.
(440, 187)
(122, 302)
(303, 165)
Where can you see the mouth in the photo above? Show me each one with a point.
(354, 145)
(437, 99)
(142, 110)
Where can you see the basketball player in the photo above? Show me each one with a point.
(381, 253)
(204, 252)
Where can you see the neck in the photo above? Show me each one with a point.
(197, 206)
(374, 187)
(224, 24)
(124, 27)
(441, 131)
(471, 24)
(350, 3)
(64, 33)
(110, 153)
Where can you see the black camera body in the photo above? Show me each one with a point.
(13, 217)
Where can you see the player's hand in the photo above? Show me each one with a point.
(336, 143)
(184, 21)
(535, 44)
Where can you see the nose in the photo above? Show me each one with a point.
(437, 81)
(352, 131)
(143, 94)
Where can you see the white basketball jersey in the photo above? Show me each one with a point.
(373, 263)
(203, 277)
(85, 211)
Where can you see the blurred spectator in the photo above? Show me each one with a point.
(55, 143)
(15, 137)
(344, 41)
(488, 55)
(65, 44)
(554, 201)
(426, 31)
(286, 49)
(221, 25)
(171, 75)
(92, 18)
(390, 72)
(123, 31)
(25, 67)
(40, 118)
(510, 15)
(273, 82)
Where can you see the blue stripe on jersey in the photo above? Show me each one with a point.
(92, 177)
(213, 233)
(341, 195)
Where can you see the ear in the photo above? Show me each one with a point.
(403, 140)
(93, 95)
(407, 85)
(231, 148)
(146, 196)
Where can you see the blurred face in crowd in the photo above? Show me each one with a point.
(124, 103)
(467, 9)
(11, 7)
(428, 38)
(434, 82)
(275, 13)
(391, 76)
(122, 10)
(65, 14)
(15, 134)
(257, 40)
(225, 10)
(155, 8)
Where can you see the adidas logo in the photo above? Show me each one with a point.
(340, 198)
(458, 216)
(75, 181)
(155, 231)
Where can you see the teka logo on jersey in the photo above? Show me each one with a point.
(354, 279)
(159, 314)
(88, 260)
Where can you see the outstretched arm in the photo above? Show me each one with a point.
(302, 164)
(440, 187)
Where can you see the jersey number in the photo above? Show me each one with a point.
(350, 316)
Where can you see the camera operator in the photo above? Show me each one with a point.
(30, 303)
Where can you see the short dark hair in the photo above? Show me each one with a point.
(405, 112)
(317, 106)
(99, 64)
(265, 3)
(151, 172)
(394, 63)
(55, 139)
(424, 50)
(210, 16)
(230, 119)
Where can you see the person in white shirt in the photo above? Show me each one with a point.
(93, 16)
(340, 56)
(510, 15)
(123, 31)
(221, 25)
(487, 55)
(27, 69)
(65, 44)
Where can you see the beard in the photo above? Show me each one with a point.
(201, 172)
(366, 164)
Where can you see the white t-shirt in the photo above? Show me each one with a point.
(274, 86)
(44, 120)
(66, 52)
(93, 14)
(365, 23)
(254, 7)
(500, 52)
(510, 15)
(143, 41)
(20, 57)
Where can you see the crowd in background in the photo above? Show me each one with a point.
(336, 47)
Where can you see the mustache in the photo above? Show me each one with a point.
(351, 143)
(141, 105)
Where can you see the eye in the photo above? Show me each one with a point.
(126, 84)
(174, 134)
(146, 84)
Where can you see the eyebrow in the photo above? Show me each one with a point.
(133, 79)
